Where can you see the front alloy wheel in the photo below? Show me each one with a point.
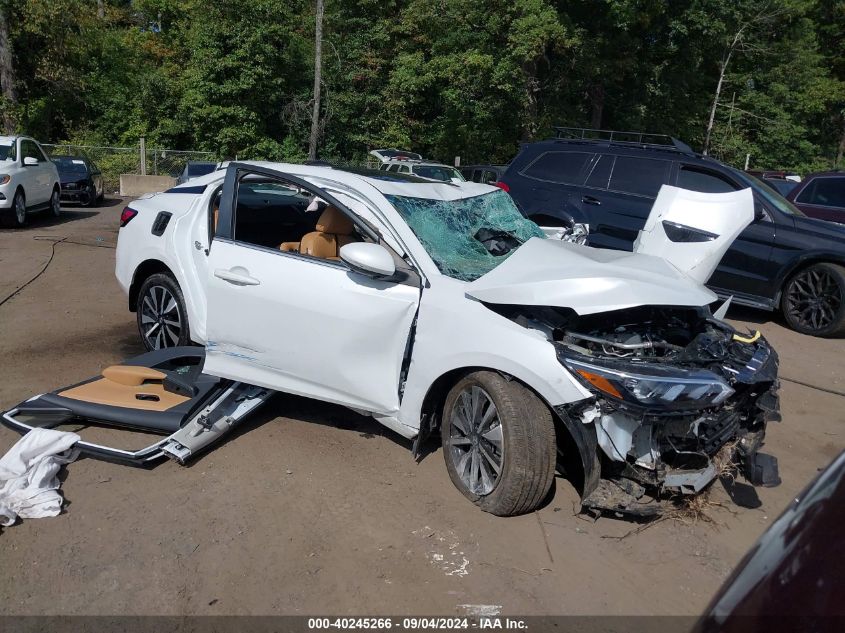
(476, 444)
(499, 443)
(19, 204)
(814, 300)
(162, 320)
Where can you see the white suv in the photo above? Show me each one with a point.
(29, 181)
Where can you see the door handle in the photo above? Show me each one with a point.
(591, 200)
(235, 278)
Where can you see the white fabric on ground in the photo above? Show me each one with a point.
(29, 487)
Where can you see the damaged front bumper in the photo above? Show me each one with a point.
(648, 455)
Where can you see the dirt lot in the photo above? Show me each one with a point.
(314, 509)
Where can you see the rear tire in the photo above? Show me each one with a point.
(813, 300)
(161, 315)
(56, 203)
(502, 459)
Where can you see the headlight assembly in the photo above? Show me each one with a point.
(667, 389)
(4, 179)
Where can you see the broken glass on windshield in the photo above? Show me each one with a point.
(469, 237)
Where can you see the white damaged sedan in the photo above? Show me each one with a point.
(439, 306)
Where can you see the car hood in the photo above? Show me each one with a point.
(545, 272)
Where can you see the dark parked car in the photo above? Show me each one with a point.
(782, 185)
(81, 180)
(793, 578)
(783, 260)
(195, 168)
(822, 196)
(488, 174)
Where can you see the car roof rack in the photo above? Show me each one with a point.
(618, 137)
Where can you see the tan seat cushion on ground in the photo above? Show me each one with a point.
(121, 386)
(334, 230)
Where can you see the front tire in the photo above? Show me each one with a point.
(161, 315)
(499, 443)
(814, 300)
(19, 209)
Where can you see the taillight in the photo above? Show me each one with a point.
(502, 185)
(128, 214)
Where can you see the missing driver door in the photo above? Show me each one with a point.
(295, 323)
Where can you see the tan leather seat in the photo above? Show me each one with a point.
(333, 231)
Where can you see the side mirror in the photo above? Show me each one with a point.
(368, 259)
(29, 161)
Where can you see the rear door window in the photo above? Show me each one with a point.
(639, 176)
(489, 177)
(703, 180)
(600, 174)
(827, 192)
(560, 167)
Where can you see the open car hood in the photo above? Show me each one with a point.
(693, 230)
(546, 272)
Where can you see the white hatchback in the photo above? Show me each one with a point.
(29, 181)
(433, 305)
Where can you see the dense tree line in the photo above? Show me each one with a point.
(443, 77)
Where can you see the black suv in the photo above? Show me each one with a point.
(610, 179)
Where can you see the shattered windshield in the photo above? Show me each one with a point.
(469, 237)
(7, 152)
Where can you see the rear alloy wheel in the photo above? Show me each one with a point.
(18, 215)
(55, 204)
(162, 318)
(814, 300)
(499, 443)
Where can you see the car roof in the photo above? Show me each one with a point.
(833, 172)
(8, 139)
(601, 146)
(388, 183)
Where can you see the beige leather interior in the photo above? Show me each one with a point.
(132, 375)
(333, 231)
(121, 386)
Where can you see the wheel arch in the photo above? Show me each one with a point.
(583, 472)
(145, 269)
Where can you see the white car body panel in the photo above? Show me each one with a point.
(288, 333)
(723, 215)
(351, 332)
(588, 280)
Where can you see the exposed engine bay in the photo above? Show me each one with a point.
(679, 398)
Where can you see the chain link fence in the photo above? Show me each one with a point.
(114, 161)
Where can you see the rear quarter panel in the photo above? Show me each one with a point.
(175, 248)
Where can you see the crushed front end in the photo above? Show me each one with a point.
(680, 398)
